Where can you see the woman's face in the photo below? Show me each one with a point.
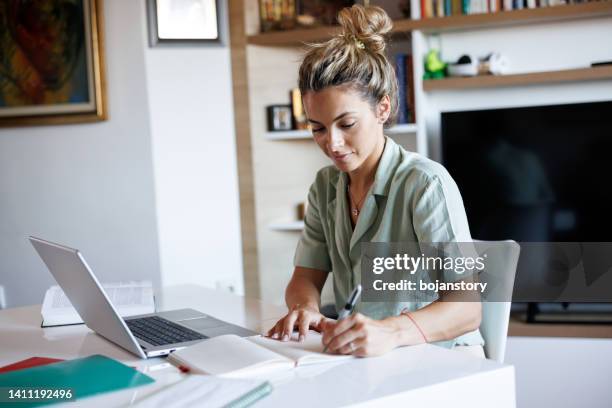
(344, 125)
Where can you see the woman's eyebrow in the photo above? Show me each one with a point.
(340, 116)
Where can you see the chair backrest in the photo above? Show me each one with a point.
(496, 315)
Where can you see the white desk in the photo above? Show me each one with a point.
(416, 375)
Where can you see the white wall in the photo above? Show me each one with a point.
(88, 186)
(152, 193)
(194, 157)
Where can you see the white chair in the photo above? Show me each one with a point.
(496, 315)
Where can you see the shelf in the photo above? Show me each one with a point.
(306, 134)
(490, 81)
(287, 226)
(447, 24)
(522, 329)
(509, 18)
(289, 134)
(403, 129)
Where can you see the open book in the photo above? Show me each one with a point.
(234, 356)
(129, 298)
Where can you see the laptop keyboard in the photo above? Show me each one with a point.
(159, 331)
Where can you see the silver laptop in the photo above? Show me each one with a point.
(149, 335)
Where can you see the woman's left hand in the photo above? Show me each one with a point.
(359, 335)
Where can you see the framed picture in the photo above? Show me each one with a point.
(183, 21)
(279, 117)
(51, 62)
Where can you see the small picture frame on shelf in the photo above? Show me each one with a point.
(185, 21)
(279, 118)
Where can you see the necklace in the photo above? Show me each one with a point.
(355, 206)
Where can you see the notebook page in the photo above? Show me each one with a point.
(309, 351)
(130, 298)
(195, 389)
(230, 356)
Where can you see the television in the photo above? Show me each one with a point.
(533, 174)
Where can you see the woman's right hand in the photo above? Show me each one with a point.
(302, 317)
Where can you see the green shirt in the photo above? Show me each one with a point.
(412, 199)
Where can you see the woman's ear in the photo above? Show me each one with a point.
(383, 109)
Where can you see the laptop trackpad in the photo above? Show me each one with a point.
(202, 323)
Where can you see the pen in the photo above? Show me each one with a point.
(349, 306)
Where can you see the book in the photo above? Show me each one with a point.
(83, 376)
(232, 356)
(410, 103)
(400, 73)
(129, 298)
(209, 391)
(29, 362)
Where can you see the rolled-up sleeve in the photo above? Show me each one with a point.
(312, 251)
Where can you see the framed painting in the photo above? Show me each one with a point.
(51, 62)
(183, 21)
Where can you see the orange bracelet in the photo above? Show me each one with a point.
(407, 313)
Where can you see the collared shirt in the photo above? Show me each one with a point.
(412, 199)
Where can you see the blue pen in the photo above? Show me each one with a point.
(349, 306)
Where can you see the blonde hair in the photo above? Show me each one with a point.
(356, 58)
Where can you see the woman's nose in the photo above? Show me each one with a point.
(336, 139)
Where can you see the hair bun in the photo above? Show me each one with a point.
(366, 24)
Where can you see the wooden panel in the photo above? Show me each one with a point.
(520, 328)
(243, 148)
(488, 81)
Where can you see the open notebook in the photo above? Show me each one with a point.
(234, 356)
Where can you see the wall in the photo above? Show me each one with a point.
(194, 158)
(88, 186)
(149, 194)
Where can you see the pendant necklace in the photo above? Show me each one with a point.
(355, 206)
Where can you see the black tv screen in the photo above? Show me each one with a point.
(539, 173)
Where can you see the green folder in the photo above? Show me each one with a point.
(85, 376)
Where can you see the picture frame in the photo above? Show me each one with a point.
(279, 118)
(184, 21)
(52, 68)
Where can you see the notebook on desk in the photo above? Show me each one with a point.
(240, 357)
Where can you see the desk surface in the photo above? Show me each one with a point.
(412, 370)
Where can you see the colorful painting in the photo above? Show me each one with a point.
(50, 62)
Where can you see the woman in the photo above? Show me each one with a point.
(375, 192)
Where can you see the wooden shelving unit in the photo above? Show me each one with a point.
(452, 23)
(488, 81)
(509, 18)
(521, 329)
(287, 226)
(403, 129)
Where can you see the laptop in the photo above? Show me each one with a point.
(150, 335)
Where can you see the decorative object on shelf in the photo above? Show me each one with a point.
(467, 65)
(183, 21)
(320, 12)
(297, 110)
(51, 62)
(277, 15)
(494, 63)
(279, 117)
(434, 67)
(301, 210)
